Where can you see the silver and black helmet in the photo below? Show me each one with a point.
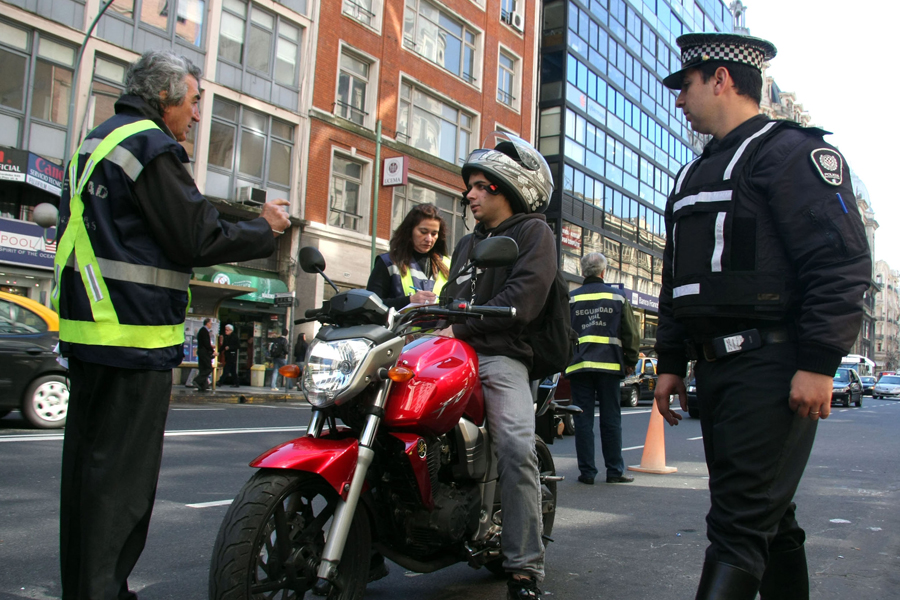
(517, 168)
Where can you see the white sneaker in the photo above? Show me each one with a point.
(274, 389)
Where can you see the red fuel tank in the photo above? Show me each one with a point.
(445, 386)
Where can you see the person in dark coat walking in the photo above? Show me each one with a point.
(764, 271)
(230, 344)
(205, 353)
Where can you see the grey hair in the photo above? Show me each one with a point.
(158, 71)
(593, 265)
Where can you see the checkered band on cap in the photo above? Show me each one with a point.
(694, 55)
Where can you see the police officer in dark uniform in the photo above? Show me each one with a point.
(764, 271)
(608, 348)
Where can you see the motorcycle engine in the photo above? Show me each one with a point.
(454, 512)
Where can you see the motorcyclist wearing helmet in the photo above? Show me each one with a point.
(507, 186)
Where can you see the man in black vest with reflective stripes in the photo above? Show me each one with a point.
(764, 271)
(608, 347)
(132, 224)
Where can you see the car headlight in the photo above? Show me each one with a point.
(842, 390)
(331, 368)
(692, 389)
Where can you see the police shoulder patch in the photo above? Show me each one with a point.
(829, 164)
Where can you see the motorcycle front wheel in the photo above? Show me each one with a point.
(271, 541)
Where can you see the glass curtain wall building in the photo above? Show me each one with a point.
(612, 133)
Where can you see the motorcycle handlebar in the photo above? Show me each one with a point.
(493, 311)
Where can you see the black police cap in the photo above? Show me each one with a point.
(699, 48)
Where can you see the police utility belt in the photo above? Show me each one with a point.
(713, 349)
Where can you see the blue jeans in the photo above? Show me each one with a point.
(588, 388)
(278, 363)
(510, 419)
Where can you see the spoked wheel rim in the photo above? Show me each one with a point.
(287, 552)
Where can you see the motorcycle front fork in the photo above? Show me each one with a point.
(343, 514)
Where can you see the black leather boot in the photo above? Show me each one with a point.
(721, 581)
(786, 576)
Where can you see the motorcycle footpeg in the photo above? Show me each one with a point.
(322, 587)
(545, 478)
(547, 538)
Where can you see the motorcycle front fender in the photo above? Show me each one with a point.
(333, 459)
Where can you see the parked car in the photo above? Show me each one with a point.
(868, 382)
(641, 384)
(887, 387)
(846, 387)
(30, 378)
(690, 384)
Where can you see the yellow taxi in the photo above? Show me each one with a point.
(30, 378)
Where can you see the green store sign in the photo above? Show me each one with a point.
(266, 287)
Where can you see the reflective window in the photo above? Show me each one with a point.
(353, 83)
(440, 37)
(408, 196)
(345, 208)
(435, 126)
(185, 23)
(261, 42)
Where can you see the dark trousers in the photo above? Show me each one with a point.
(110, 466)
(756, 450)
(229, 371)
(603, 388)
(204, 369)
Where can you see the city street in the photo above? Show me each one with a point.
(629, 542)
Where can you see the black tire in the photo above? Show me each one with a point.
(275, 530)
(548, 491)
(846, 402)
(633, 397)
(694, 413)
(3, 413)
(859, 402)
(46, 402)
(568, 424)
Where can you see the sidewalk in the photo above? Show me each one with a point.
(243, 394)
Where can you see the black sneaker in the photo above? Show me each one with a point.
(522, 589)
(378, 569)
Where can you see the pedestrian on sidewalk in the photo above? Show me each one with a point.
(608, 345)
(205, 354)
(764, 271)
(278, 353)
(230, 343)
(132, 226)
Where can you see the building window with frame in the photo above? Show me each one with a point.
(441, 38)
(260, 42)
(186, 26)
(409, 195)
(248, 148)
(507, 70)
(36, 76)
(352, 91)
(367, 12)
(434, 126)
(347, 200)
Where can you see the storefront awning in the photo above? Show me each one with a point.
(207, 297)
(27, 167)
(265, 286)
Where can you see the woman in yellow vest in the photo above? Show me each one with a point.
(416, 267)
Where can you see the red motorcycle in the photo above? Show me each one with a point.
(410, 474)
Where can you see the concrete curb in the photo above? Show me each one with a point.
(229, 395)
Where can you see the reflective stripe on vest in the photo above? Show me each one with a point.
(412, 271)
(587, 364)
(105, 329)
(599, 339)
(597, 296)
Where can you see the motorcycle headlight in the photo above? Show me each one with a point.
(331, 368)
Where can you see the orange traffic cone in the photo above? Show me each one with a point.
(654, 458)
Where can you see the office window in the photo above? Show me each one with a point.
(261, 42)
(367, 12)
(186, 26)
(248, 148)
(440, 37)
(346, 205)
(106, 87)
(408, 196)
(435, 126)
(507, 79)
(353, 83)
(35, 75)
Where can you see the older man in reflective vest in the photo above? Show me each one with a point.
(132, 224)
(608, 344)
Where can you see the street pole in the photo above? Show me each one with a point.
(70, 129)
(377, 185)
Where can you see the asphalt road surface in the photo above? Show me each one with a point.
(623, 542)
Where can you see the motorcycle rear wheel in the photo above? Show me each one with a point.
(271, 541)
(545, 468)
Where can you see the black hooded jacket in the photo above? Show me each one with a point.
(523, 285)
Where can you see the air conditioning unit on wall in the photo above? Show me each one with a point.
(251, 195)
(518, 21)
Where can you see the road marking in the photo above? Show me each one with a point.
(179, 433)
(632, 448)
(185, 409)
(635, 412)
(695, 438)
(210, 504)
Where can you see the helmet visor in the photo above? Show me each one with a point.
(528, 157)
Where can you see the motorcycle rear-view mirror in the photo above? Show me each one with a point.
(311, 260)
(498, 251)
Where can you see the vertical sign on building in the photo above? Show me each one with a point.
(395, 171)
